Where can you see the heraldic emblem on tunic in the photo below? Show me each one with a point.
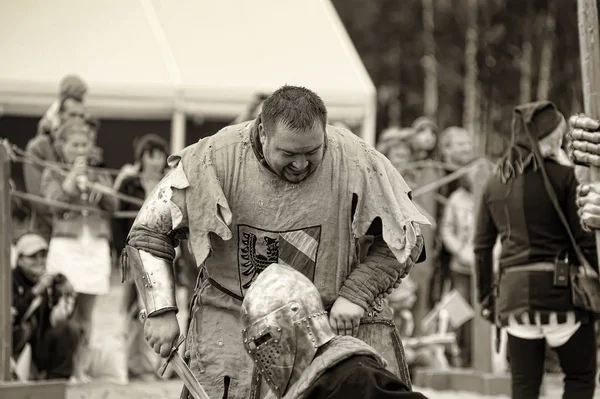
(258, 248)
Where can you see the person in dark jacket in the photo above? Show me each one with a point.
(286, 331)
(138, 180)
(42, 305)
(534, 309)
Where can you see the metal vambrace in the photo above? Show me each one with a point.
(154, 279)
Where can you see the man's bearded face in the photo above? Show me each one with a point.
(292, 154)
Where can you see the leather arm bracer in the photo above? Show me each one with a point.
(154, 279)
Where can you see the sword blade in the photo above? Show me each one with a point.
(184, 372)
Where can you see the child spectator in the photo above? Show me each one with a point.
(70, 86)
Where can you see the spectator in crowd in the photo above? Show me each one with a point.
(70, 86)
(138, 180)
(456, 230)
(402, 301)
(96, 157)
(530, 300)
(79, 247)
(425, 139)
(43, 147)
(42, 304)
(423, 144)
(457, 150)
(395, 145)
(457, 147)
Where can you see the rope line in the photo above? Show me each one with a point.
(18, 155)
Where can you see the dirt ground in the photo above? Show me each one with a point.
(108, 332)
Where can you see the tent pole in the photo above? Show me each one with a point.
(368, 133)
(177, 131)
(5, 267)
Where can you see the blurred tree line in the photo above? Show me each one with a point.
(467, 62)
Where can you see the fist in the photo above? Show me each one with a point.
(588, 201)
(344, 317)
(585, 140)
(161, 332)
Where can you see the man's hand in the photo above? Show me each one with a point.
(588, 201)
(344, 317)
(586, 140)
(161, 331)
(79, 168)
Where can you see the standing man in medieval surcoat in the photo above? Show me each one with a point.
(284, 188)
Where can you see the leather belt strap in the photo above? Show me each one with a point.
(534, 267)
(224, 290)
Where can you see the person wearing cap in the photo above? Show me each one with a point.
(42, 306)
(286, 332)
(528, 300)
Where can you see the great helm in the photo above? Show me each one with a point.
(284, 325)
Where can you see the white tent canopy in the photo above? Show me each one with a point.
(154, 59)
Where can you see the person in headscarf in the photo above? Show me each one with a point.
(527, 300)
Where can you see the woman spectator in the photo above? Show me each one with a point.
(529, 299)
(457, 230)
(138, 180)
(79, 247)
(424, 148)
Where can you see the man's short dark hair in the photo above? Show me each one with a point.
(296, 107)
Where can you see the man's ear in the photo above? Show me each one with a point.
(262, 134)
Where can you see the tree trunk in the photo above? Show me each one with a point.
(470, 80)
(429, 62)
(395, 108)
(526, 58)
(544, 82)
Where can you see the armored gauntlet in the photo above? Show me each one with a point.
(154, 279)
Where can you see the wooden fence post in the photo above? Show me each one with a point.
(589, 49)
(5, 269)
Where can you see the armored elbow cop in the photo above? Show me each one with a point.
(154, 279)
